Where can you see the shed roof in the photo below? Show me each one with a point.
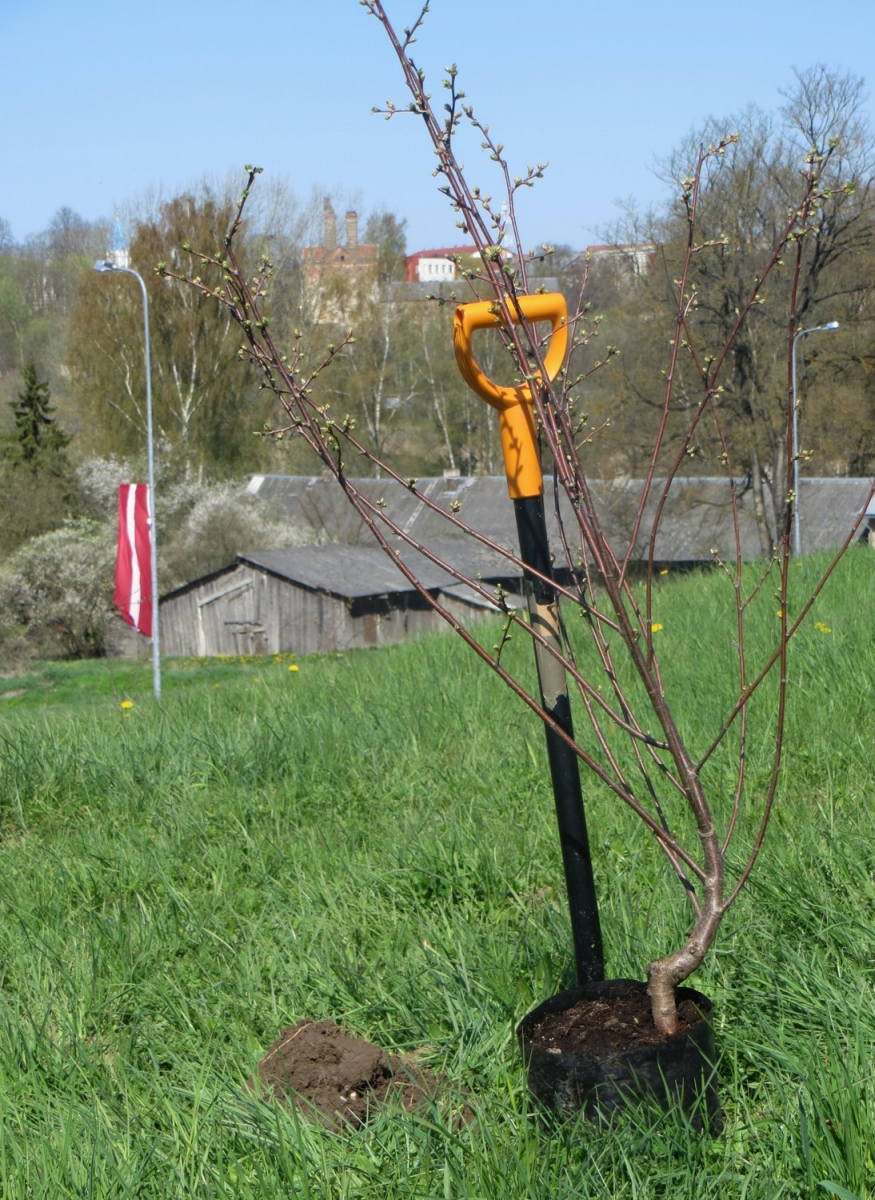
(353, 572)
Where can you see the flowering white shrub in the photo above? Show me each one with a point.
(56, 589)
(97, 480)
(202, 527)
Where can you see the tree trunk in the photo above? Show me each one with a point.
(666, 973)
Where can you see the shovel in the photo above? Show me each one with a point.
(525, 486)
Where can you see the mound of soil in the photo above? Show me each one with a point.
(601, 1026)
(335, 1077)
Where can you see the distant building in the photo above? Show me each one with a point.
(696, 527)
(437, 266)
(338, 277)
(630, 258)
(610, 270)
(118, 251)
(440, 265)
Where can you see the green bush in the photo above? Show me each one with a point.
(55, 592)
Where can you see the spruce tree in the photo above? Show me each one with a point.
(37, 439)
(37, 485)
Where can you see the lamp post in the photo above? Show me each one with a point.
(797, 528)
(104, 266)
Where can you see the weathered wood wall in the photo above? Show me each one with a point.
(247, 611)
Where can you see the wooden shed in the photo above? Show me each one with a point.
(317, 599)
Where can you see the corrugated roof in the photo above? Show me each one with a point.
(828, 509)
(696, 524)
(696, 520)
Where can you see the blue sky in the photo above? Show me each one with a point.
(101, 102)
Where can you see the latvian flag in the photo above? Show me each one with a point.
(133, 569)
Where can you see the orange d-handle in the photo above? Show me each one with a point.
(514, 404)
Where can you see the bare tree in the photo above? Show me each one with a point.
(205, 406)
(745, 195)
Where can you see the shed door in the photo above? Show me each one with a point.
(248, 637)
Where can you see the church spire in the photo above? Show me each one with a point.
(118, 250)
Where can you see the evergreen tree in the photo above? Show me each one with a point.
(37, 486)
(37, 437)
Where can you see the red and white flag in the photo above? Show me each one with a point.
(133, 568)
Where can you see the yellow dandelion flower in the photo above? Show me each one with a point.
(655, 627)
(823, 628)
(779, 612)
(127, 704)
(293, 667)
(664, 571)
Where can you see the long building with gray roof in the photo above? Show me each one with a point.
(345, 592)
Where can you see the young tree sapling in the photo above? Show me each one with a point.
(634, 741)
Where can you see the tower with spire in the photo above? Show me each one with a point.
(118, 251)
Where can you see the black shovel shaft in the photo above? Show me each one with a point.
(564, 768)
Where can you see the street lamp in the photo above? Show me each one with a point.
(797, 529)
(104, 266)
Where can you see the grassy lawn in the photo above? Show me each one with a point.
(371, 838)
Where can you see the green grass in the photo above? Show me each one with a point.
(371, 838)
(91, 683)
